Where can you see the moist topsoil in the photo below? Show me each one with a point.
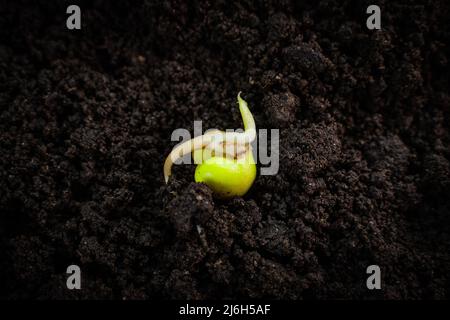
(85, 125)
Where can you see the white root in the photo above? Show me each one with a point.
(187, 147)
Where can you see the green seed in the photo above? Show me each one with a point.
(227, 177)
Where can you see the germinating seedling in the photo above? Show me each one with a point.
(227, 164)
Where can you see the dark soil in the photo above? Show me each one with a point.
(85, 124)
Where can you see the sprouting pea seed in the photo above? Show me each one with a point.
(229, 173)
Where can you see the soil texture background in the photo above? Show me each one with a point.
(85, 124)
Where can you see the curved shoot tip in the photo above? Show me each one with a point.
(240, 100)
(247, 117)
